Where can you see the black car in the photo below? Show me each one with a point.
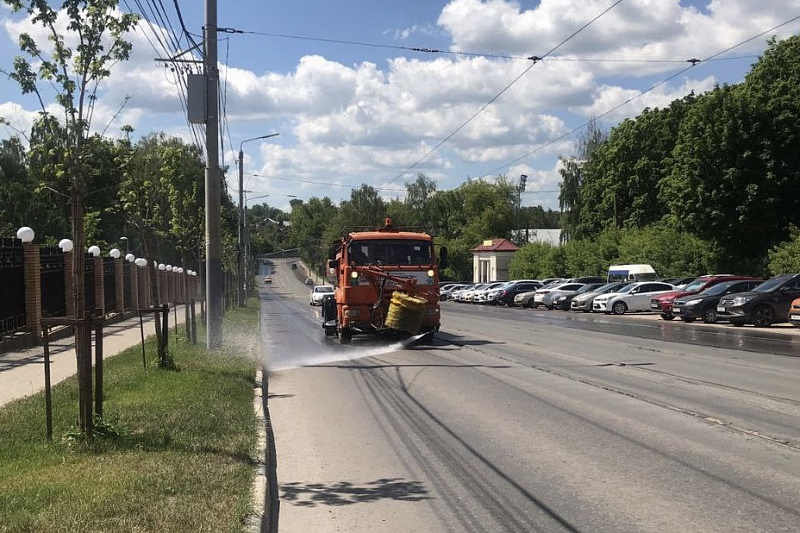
(766, 304)
(704, 304)
(506, 296)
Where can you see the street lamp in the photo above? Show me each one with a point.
(127, 249)
(25, 234)
(240, 289)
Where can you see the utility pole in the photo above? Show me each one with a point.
(213, 232)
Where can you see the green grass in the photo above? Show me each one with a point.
(178, 456)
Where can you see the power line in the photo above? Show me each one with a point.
(692, 62)
(534, 60)
(315, 182)
(463, 53)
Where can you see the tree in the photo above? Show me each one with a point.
(98, 30)
(570, 198)
(785, 257)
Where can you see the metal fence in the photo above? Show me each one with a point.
(12, 286)
(109, 283)
(126, 287)
(53, 283)
(88, 283)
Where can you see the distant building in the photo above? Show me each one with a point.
(491, 260)
(547, 236)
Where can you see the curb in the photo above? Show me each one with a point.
(258, 519)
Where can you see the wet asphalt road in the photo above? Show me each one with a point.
(521, 420)
(780, 339)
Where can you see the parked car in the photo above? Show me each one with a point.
(267, 279)
(794, 313)
(682, 282)
(765, 305)
(563, 300)
(319, 292)
(506, 295)
(583, 302)
(482, 296)
(445, 291)
(633, 297)
(663, 302)
(704, 304)
(545, 297)
(587, 279)
(309, 281)
(467, 295)
(455, 294)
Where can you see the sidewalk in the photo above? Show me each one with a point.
(22, 372)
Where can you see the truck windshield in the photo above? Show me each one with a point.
(390, 252)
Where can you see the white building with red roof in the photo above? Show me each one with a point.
(490, 260)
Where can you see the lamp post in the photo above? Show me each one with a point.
(127, 248)
(523, 179)
(240, 292)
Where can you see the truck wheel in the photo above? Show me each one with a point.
(762, 316)
(345, 336)
(667, 316)
(737, 323)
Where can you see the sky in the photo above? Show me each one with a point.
(376, 92)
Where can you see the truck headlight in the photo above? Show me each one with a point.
(741, 300)
(430, 273)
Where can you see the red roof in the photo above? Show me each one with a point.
(496, 245)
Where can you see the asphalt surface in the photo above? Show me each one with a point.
(526, 421)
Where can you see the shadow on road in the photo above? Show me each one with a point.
(346, 493)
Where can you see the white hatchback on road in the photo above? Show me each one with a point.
(319, 292)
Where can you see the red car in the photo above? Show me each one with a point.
(663, 302)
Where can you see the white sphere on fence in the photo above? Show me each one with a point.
(162, 266)
(25, 234)
(140, 262)
(115, 253)
(65, 245)
(130, 258)
(95, 251)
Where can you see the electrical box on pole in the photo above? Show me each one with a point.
(196, 98)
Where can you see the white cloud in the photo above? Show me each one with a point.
(347, 124)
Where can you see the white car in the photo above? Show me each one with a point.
(482, 296)
(633, 297)
(319, 292)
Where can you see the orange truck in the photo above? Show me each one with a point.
(371, 271)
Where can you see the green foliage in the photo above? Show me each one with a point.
(785, 257)
(161, 199)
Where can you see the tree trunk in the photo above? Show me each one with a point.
(83, 341)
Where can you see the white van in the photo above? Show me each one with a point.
(631, 273)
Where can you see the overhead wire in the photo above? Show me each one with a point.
(535, 59)
(692, 64)
(168, 44)
(460, 53)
